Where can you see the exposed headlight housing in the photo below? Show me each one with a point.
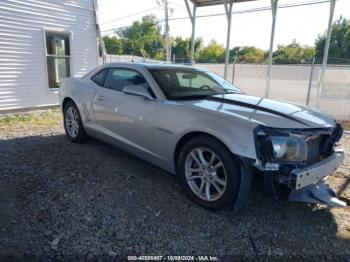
(296, 147)
(288, 148)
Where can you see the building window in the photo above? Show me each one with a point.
(58, 58)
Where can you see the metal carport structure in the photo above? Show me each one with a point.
(228, 4)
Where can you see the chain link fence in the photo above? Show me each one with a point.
(295, 83)
(289, 82)
(129, 59)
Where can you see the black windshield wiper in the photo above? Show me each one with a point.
(191, 97)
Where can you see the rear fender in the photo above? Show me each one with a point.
(82, 93)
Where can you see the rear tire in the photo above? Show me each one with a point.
(73, 124)
(205, 160)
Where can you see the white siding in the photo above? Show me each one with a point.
(23, 73)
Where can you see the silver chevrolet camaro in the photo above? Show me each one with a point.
(193, 123)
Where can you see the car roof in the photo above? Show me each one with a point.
(156, 66)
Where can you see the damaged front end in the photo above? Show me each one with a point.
(301, 159)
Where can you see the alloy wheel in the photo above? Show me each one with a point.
(205, 174)
(72, 121)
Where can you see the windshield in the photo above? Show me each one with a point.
(183, 83)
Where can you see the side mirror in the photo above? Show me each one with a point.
(137, 90)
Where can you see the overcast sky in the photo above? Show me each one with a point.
(250, 29)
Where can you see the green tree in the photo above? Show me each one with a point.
(340, 40)
(293, 54)
(142, 38)
(212, 53)
(181, 48)
(248, 54)
(114, 45)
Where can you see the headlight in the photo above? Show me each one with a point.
(288, 148)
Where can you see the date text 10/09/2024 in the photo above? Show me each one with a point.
(172, 258)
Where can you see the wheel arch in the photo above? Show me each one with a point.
(66, 100)
(190, 135)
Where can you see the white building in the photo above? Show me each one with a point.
(41, 42)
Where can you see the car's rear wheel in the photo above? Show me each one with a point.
(73, 124)
(209, 173)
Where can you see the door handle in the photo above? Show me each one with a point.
(99, 98)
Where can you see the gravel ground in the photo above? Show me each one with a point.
(63, 200)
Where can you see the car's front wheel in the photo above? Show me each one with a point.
(73, 124)
(209, 173)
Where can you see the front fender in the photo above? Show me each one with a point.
(238, 138)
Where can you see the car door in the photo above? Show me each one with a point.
(126, 118)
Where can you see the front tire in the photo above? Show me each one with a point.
(209, 173)
(73, 124)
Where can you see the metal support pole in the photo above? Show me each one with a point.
(167, 44)
(192, 16)
(233, 68)
(325, 54)
(268, 78)
(310, 81)
(193, 33)
(228, 10)
(100, 41)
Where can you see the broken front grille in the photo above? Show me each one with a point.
(322, 146)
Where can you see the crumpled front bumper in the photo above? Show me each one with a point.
(308, 184)
(300, 178)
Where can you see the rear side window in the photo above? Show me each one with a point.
(100, 77)
(118, 78)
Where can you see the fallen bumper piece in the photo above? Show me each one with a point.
(319, 193)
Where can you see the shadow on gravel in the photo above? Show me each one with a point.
(61, 199)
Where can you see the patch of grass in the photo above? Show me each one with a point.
(12, 118)
(34, 118)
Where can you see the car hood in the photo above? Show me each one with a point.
(265, 111)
